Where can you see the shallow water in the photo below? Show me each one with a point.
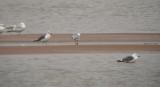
(86, 16)
(80, 70)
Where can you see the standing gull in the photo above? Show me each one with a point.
(129, 59)
(44, 38)
(76, 38)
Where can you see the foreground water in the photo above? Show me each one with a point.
(79, 70)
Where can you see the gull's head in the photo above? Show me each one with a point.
(135, 55)
(48, 32)
(76, 36)
(22, 25)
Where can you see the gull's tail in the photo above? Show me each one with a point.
(39, 39)
(119, 61)
(36, 40)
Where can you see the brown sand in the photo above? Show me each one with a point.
(86, 37)
(79, 49)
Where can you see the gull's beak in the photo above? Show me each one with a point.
(139, 56)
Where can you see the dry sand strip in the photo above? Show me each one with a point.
(80, 49)
(86, 37)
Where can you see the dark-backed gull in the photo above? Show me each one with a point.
(130, 59)
(44, 38)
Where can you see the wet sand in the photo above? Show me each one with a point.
(123, 48)
(86, 37)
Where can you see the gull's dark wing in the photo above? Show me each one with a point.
(128, 58)
(40, 38)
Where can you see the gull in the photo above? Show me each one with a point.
(44, 38)
(76, 38)
(130, 59)
(12, 28)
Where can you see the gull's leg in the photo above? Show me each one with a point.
(46, 43)
(77, 44)
(75, 41)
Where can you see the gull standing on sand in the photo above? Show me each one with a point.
(130, 59)
(76, 38)
(44, 38)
